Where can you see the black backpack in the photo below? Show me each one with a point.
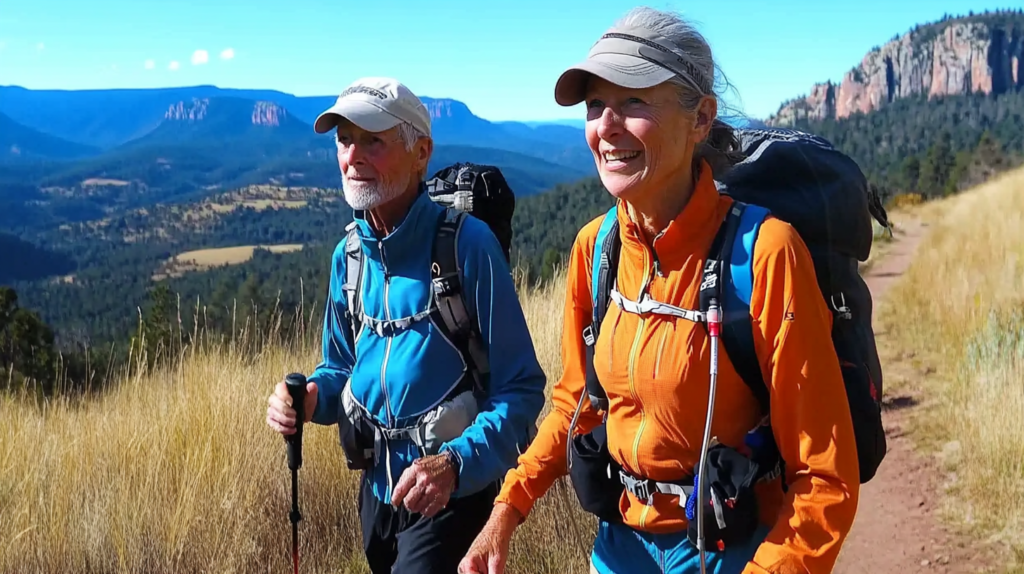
(464, 189)
(481, 191)
(822, 193)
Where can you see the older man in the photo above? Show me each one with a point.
(432, 439)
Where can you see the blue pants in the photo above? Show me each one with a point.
(619, 549)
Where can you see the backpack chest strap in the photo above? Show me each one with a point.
(647, 305)
(389, 328)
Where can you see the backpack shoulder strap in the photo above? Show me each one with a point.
(457, 323)
(731, 256)
(353, 284)
(605, 267)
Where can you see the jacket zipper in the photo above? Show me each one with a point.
(632, 379)
(648, 278)
(387, 344)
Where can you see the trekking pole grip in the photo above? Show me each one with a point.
(296, 383)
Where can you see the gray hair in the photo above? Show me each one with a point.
(410, 134)
(722, 148)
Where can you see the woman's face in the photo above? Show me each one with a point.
(643, 139)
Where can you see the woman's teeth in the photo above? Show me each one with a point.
(620, 155)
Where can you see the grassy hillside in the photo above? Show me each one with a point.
(176, 471)
(958, 314)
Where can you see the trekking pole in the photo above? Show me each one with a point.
(297, 389)
(714, 329)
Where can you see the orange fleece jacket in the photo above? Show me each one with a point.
(655, 372)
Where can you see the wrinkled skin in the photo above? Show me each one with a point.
(426, 485)
(489, 551)
(280, 411)
(660, 138)
(376, 167)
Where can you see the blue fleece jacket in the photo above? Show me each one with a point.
(398, 378)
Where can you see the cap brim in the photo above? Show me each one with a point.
(367, 116)
(619, 69)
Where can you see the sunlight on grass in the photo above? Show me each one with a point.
(176, 471)
(962, 302)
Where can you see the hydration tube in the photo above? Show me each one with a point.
(714, 320)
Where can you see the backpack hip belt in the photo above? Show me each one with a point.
(645, 488)
(364, 440)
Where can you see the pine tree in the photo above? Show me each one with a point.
(156, 323)
(910, 173)
(937, 164)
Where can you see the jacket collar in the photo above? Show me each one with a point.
(691, 230)
(414, 230)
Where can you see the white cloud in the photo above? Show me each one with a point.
(173, 66)
(150, 64)
(227, 54)
(3, 44)
(200, 57)
(40, 46)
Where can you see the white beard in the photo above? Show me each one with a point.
(362, 195)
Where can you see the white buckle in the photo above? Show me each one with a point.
(648, 305)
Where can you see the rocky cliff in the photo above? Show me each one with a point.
(193, 111)
(261, 113)
(974, 54)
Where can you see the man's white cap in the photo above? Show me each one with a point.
(375, 105)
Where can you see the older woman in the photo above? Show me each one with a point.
(651, 124)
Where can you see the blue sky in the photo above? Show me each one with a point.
(501, 58)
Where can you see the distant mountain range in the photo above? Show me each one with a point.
(167, 140)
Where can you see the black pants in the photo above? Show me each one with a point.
(398, 541)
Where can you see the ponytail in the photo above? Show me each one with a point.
(721, 149)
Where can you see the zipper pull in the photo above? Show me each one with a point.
(383, 259)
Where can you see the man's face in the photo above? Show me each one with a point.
(376, 167)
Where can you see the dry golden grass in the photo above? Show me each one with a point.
(960, 309)
(99, 181)
(256, 204)
(230, 255)
(166, 221)
(176, 471)
(202, 259)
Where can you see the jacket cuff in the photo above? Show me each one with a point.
(514, 494)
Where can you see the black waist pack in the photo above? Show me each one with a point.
(730, 504)
(595, 475)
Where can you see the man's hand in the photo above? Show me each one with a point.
(426, 485)
(281, 413)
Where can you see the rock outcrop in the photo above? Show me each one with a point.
(268, 114)
(974, 54)
(193, 111)
(261, 113)
(445, 108)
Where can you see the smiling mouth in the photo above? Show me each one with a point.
(620, 155)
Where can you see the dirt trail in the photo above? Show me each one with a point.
(897, 529)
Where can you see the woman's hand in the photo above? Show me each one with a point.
(489, 551)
